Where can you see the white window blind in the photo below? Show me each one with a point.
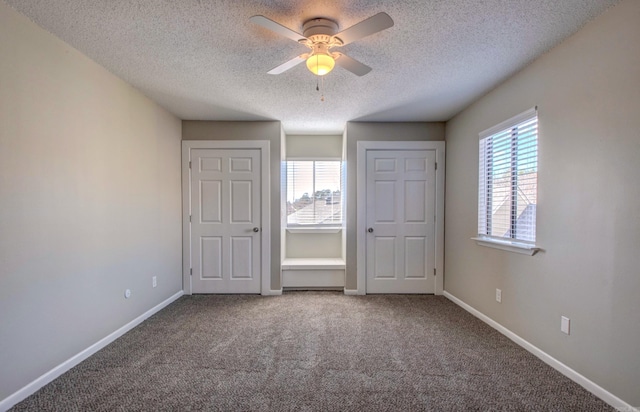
(314, 192)
(508, 180)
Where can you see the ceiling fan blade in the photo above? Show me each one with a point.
(354, 66)
(277, 28)
(373, 24)
(288, 65)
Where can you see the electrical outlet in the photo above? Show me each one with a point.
(498, 295)
(154, 281)
(565, 323)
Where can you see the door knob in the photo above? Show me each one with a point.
(370, 230)
(255, 229)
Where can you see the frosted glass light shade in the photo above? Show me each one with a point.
(320, 64)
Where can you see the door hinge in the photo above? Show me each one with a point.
(189, 218)
(436, 165)
(189, 164)
(190, 271)
(434, 271)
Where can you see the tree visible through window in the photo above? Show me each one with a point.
(314, 192)
(508, 180)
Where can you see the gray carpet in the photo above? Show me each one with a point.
(312, 351)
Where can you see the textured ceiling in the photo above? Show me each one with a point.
(204, 59)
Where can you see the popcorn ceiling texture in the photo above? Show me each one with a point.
(204, 59)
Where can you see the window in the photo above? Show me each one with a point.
(314, 193)
(508, 180)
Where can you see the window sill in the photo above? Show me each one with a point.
(314, 229)
(515, 247)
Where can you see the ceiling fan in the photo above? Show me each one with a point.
(320, 35)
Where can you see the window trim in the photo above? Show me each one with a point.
(503, 243)
(314, 229)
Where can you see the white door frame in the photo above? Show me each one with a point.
(265, 233)
(361, 201)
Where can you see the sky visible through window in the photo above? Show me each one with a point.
(300, 177)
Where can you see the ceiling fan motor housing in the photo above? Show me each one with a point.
(319, 26)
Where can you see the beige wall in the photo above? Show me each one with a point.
(588, 96)
(314, 245)
(355, 132)
(271, 131)
(314, 146)
(89, 202)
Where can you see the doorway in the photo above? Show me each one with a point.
(400, 217)
(226, 216)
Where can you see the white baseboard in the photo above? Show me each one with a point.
(272, 292)
(350, 291)
(583, 381)
(34, 386)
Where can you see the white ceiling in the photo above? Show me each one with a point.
(204, 59)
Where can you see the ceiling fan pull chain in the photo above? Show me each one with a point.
(317, 77)
(322, 92)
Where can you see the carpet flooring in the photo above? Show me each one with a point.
(312, 351)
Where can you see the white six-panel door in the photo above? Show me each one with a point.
(225, 199)
(400, 218)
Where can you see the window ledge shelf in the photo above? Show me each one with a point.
(314, 229)
(515, 247)
(312, 263)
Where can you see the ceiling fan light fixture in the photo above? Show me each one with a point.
(320, 35)
(320, 63)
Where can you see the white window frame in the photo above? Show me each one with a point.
(318, 227)
(511, 244)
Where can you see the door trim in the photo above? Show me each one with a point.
(361, 201)
(265, 213)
